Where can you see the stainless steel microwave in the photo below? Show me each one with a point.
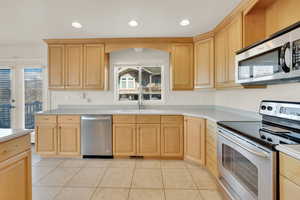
(274, 60)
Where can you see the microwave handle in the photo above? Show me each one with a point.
(282, 59)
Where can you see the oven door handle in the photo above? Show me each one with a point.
(260, 154)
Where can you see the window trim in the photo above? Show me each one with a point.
(149, 102)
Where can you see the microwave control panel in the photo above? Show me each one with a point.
(296, 55)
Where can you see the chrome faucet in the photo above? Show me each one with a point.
(140, 103)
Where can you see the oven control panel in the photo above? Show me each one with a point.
(281, 109)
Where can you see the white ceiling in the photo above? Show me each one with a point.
(30, 21)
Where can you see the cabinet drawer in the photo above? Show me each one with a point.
(49, 119)
(148, 119)
(171, 119)
(290, 168)
(69, 119)
(124, 119)
(14, 147)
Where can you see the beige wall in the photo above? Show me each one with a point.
(249, 99)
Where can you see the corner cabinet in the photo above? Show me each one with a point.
(204, 63)
(77, 66)
(194, 137)
(227, 41)
(182, 66)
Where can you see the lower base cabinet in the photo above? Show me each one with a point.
(15, 171)
(58, 136)
(124, 139)
(148, 140)
(289, 181)
(194, 137)
(172, 140)
(211, 148)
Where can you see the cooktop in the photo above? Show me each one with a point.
(264, 133)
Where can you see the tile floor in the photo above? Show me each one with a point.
(90, 179)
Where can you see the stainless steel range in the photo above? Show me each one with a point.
(247, 157)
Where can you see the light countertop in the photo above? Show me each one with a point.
(9, 134)
(291, 150)
(208, 112)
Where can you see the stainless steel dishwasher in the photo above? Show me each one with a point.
(96, 136)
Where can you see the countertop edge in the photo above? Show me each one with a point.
(15, 135)
(288, 150)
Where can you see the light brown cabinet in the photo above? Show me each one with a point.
(182, 67)
(77, 66)
(227, 41)
(58, 135)
(172, 136)
(289, 181)
(194, 137)
(15, 170)
(211, 148)
(148, 140)
(68, 139)
(94, 72)
(124, 139)
(204, 63)
(56, 66)
(73, 66)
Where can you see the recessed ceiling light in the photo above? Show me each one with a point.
(185, 22)
(133, 23)
(76, 25)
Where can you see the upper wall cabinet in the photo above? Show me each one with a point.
(204, 63)
(227, 41)
(77, 66)
(263, 18)
(56, 66)
(73, 66)
(94, 66)
(182, 67)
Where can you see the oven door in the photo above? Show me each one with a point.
(246, 171)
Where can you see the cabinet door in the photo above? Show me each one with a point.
(124, 139)
(288, 189)
(73, 66)
(68, 139)
(15, 177)
(235, 43)
(148, 140)
(94, 67)
(46, 139)
(182, 67)
(172, 140)
(195, 140)
(204, 64)
(211, 148)
(221, 45)
(56, 66)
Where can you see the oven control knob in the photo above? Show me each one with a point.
(263, 137)
(263, 107)
(270, 139)
(270, 108)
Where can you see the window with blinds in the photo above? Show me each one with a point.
(5, 98)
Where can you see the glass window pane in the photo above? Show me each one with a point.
(33, 79)
(128, 79)
(151, 82)
(5, 98)
(242, 168)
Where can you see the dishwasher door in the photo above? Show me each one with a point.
(96, 136)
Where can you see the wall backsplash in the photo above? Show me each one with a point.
(130, 56)
(249, 99)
